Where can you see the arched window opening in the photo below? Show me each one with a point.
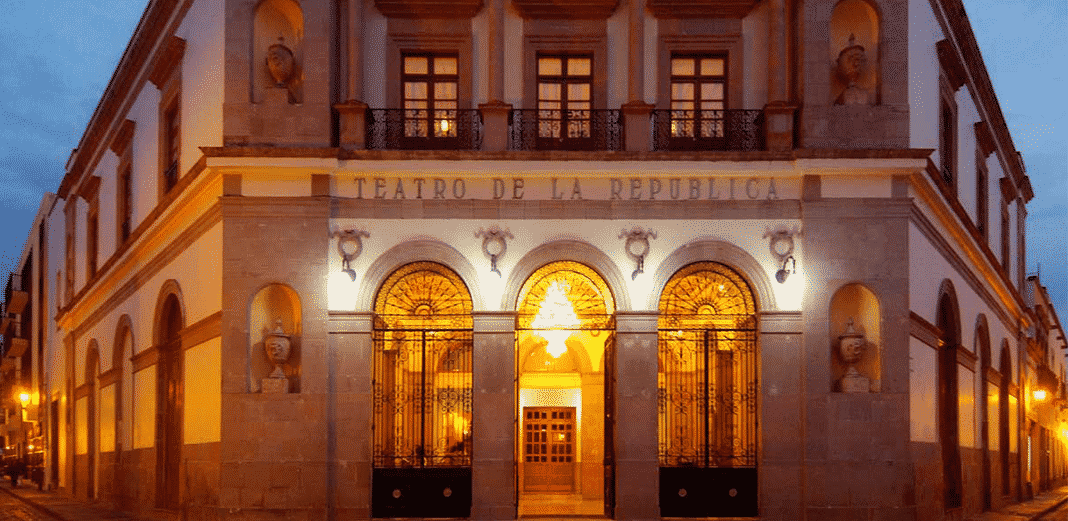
(1003, 417)
(707, 390)
(948, 409)
(422, 359)
(169, 397)
(92, 423)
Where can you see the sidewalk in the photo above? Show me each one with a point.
(63, 508)
(1028, 510)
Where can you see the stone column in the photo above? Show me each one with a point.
(352, 113)
(495, 125)
(636, 112)
(493, 422)
(779, 112)
(637, 466)
(495, 112)
(349, 413)
(783, 398)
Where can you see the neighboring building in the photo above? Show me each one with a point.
(659, 258)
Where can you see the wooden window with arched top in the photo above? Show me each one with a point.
(948, 396)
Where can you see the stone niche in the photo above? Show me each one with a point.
(854, 54)
(273, 306)
(856, 340)
(278, 37)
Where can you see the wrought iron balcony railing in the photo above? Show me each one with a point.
(708, 130)
(596, 129)
(420, 129)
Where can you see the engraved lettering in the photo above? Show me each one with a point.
(732, 188)
(380, 188)
(635, 188)
(712, 194)
(498, 188)
(359, 187)
(398, 193)
(517, 188)
(419, 187)
(616, 187)
(556, 195)
(576, 191)
(751, 190)
(674, 187)
(695, 188)
(772, 194)
(459, 188)
(439, 188)
(654, 187)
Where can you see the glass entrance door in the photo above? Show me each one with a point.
(549, 454)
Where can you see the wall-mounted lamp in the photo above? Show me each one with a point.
(24, 398)
(1039, 395)
(783, 273)
(349, 246)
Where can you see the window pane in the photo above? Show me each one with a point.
(681, 91)
(548, 91)
(445, 65)
(415, 65)
(712, 66)
(549, 66)
(413, 90)
(711, 91)
(682, 67)
(578, 92)
(578, 67)
(444, 91)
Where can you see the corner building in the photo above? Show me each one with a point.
(527, 258)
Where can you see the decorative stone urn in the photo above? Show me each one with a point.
(852, 62)
(277, 345)
(280, 63)
(851, 346)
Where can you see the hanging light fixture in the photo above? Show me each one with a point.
(783, 273)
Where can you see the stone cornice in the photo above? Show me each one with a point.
(429, 8)
(701, 8)
(566, 9)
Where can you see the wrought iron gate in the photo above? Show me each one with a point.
(610, 427)
(422, 423)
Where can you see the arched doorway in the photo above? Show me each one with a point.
(1005, 367)
(422, 389)
(707, 388)
(948, 397)
(564, 343)
(92, 425)
(982, 344)
(169, 398)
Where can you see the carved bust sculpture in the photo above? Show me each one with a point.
(851, 346)
(277, 345)
(280, 63)
(852, 63)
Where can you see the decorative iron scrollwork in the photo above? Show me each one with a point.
(781, 243)
(494, 244)
(349, 246)
(637, 246)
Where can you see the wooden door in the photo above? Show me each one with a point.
(549, 455)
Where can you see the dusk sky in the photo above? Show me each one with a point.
(58, 55)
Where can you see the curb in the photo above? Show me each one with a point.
(1049, 509)
(33, 504)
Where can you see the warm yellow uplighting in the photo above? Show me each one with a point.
(30, 447)
(554, 314)
(443, 126)
(1039, 395)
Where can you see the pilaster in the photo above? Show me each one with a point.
(493, 389)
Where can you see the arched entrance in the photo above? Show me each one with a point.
(564, 335)
(92, 370)
(422, 361)
(948, 396)
(707, 388)
(169, 398)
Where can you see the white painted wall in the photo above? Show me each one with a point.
(107, 223)
(755, 40)
(618, 44)
(374, 58)
(144, 156)
(604, 235)
(202, 80)
(924, 32)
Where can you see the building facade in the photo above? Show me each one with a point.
(527, 258)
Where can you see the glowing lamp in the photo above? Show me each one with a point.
(555, 313)
(1039, 395)
(24, 398)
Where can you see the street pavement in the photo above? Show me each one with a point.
(26, 503)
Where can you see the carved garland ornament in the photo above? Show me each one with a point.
(349, 246)
(637, 246)
(494, 244)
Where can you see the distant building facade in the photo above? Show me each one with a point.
(501, 259)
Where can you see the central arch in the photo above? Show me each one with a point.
(564, 335)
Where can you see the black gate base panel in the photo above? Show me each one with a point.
(708, 492)
(432, 492)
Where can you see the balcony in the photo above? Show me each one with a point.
(690, 130)
(532, 129)
(572, 130)
(406, 129)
